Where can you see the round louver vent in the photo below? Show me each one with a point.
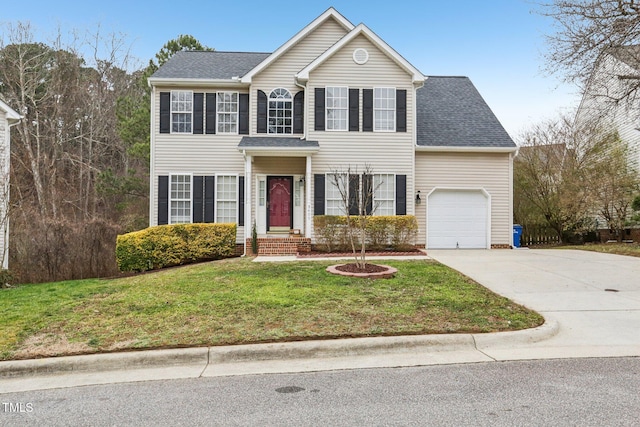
(360, 56)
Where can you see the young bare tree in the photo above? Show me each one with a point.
(356, 202)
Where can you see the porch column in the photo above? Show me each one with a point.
(308, 224)
(248, 180)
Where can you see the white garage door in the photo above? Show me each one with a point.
(457, 219)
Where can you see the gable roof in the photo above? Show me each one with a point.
(362, 29)
(211, 65)
(329, 13)
(630, 55)
(451, 114)
(12, 115)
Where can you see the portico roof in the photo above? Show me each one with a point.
(277, 146)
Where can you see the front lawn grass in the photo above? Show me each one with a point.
(237, 301)
(629, 249)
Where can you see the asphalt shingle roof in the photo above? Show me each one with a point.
(276, 142)
(452, 113)
(209, 65)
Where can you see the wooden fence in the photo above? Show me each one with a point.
(538, 236)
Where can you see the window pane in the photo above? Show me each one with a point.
(337, 101)
(226, 198)
(180, 199)
(384, 109)
(280, 107)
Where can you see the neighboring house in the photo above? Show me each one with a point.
(253, 138)
(8, 118)
(612, 95)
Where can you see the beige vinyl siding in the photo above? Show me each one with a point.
(384, 152)
(203, 154)
(281, 73)
(491, 172)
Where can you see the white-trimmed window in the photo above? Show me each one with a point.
(384, 194)
(181, 111)
(226, 198)
(334, 203)
(337, 105)
(227, 110)
(180, 199)
(280, 112)
(384, 109)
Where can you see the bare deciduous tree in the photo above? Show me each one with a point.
(357, 203)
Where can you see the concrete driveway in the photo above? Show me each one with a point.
(594, 297)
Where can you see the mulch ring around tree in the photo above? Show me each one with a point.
(370, 271)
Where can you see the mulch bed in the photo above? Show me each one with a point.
(368, 268)
(317, 254)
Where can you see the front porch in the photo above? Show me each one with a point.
(277, 202)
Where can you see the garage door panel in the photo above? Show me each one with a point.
(457, 219)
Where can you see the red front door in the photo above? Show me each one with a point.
(280, 199)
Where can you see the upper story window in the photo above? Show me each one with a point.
(227, 110)
(384, 109)
(181, 111)
(280, 119)
(337, 104)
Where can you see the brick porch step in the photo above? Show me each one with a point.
(281, 245)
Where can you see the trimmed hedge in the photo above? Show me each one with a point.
(397, 232)
(169, 245)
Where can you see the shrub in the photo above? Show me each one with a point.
(169, 245)
(398, 232)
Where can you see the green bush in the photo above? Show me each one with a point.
(382, 232)
(169, 245)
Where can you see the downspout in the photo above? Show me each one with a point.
(246, 178)
(308, 166)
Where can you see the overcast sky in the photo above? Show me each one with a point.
(499, 44)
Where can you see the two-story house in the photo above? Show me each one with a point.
(253, 138)
(8, 118)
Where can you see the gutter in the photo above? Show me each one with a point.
(161, 81)
(458, 149)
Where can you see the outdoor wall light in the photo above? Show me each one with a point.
(418, 199)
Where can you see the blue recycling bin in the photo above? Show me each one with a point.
(517, 234)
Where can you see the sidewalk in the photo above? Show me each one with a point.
(567, 287)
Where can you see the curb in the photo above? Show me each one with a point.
(336, 348)
(104, 362)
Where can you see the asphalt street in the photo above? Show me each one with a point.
(570, 392)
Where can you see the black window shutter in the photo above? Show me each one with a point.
(298, 112)
(163, 200)
(240, 201)
(367, 193)
(367, 110)
(318, 195)
(165, 112)
(401, 110)
(209, 198)
(198, 202)
(243, 114)
(198, 113)
(354, 110)
(354, 194)
(401, 194)
(262, 112)
(319, 109)
(211, 113)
